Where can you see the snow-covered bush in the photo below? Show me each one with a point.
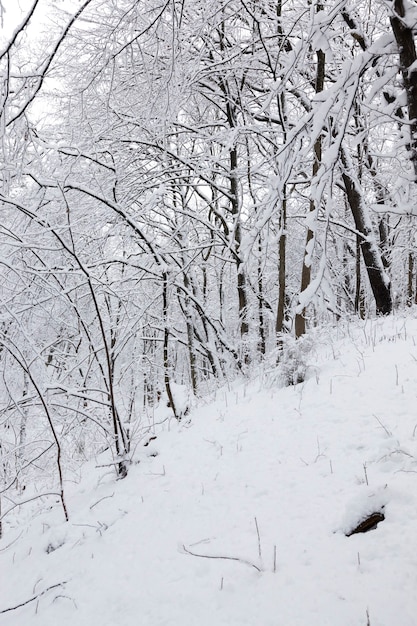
(293, 359)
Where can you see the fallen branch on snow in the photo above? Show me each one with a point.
(38, 595)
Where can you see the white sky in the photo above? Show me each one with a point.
(12, 14)
(14, 11)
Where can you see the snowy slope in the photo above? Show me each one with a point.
(263, 480)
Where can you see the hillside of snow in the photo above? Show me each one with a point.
(239, 515)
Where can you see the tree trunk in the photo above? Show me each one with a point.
(407, 51)
(241, 275)
(378, 278)
(359, 300)
(300, 322)
(165, 358)
(261, 313)
(279, 327)
(410, 281)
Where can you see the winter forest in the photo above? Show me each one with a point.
(188, 187)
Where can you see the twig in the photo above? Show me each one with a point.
(101, 499)
(42, 593)
(259, 539)
(389, 433)
(227, 558)
(366, 474)
(12, 542)
(16, 504)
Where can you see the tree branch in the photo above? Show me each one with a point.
(39, 595)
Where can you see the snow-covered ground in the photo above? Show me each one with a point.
(238, 516)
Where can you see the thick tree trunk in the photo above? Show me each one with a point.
(279, 327)
(407, 51)
(235, 210)
(404, 37)
(282, 245)
(378, 278)
(410, 281)
(359, 299)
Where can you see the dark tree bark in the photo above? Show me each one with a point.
(167, 375)
(230, 110)
(380, 283)
(410, 279)
(279, 327)
(407, 52)
(359, 299)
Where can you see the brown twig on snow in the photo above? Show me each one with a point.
(42, 593)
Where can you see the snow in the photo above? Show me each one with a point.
(261, 484)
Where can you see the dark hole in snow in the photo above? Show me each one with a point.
(369, 523)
